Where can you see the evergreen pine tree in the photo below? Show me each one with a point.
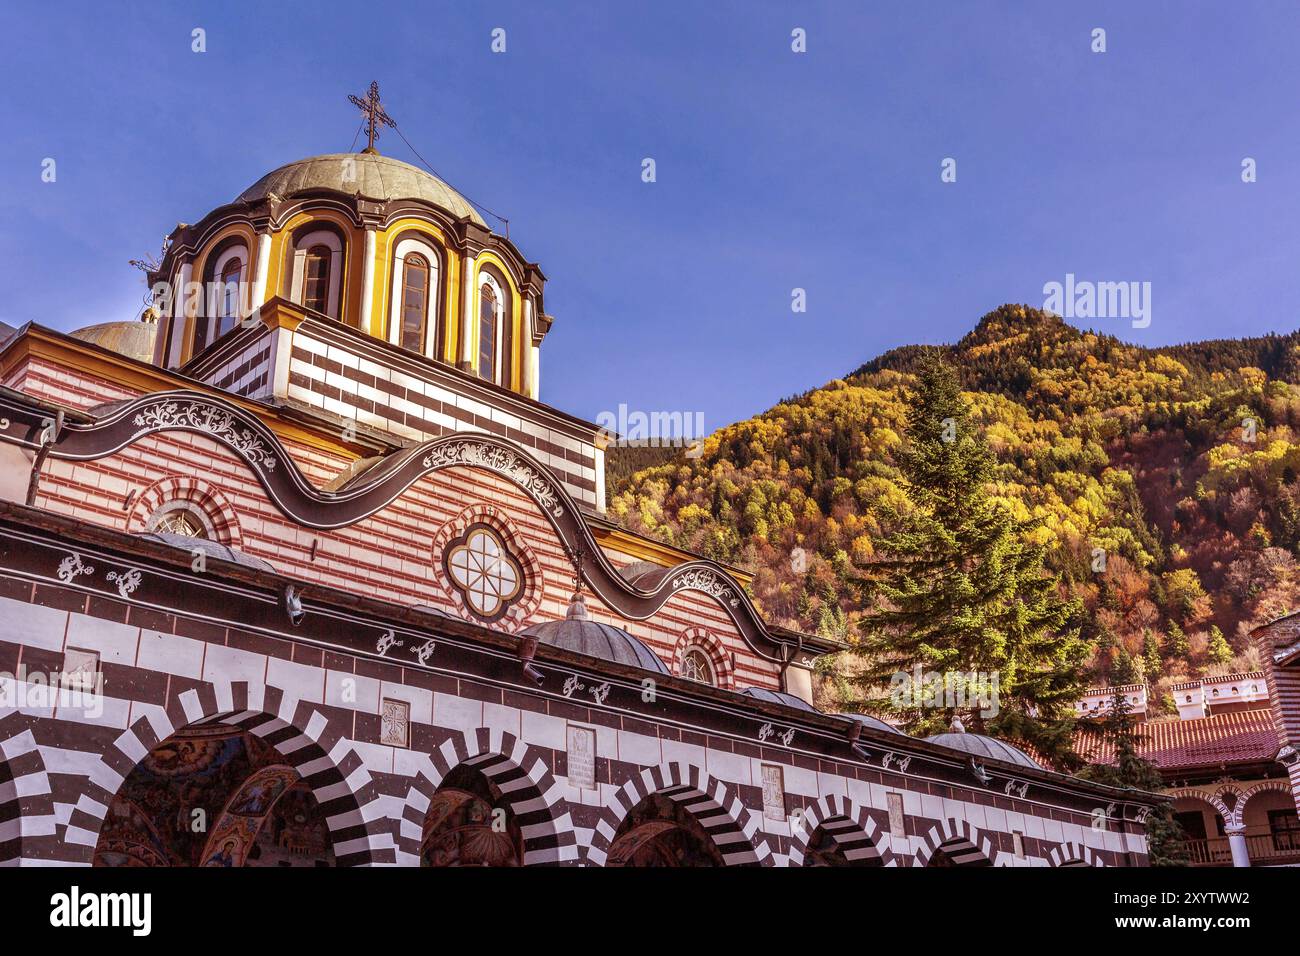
(1151, 656)
(960, 590)
(1217, 649)
(1124, 670)
(1165, 837)
(1177, 647)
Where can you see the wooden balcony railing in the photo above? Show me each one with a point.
(1264, 847)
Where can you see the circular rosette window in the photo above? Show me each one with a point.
(483, 570)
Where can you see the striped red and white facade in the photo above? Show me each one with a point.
(341, 475)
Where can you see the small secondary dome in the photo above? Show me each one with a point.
(778, 697)
(872, 723)
(132, 339)
(579, 633)
(371, 175)
(977, 745)
(213, 549)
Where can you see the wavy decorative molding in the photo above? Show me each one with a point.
(300, 501)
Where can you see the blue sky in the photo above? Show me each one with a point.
(775, 170)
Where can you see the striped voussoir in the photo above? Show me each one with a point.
(717, 810)
(724, 668)
(1188, 793)
(303, 736)
(857, 835)
(959, 841)
(535, 798)
(1074, 854)
(196, 492)
(1245, 795)
(27, 820)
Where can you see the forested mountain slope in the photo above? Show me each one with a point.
(1165, 480)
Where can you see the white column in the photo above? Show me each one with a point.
(526, 353)
(599, 468)
(263, 266)
(368, 283)
(535, 371)
(798, 681)
(1237, 844)
(467, 317)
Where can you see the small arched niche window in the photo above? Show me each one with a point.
(317, 271)
(697, 666)
(413, 314)
(180, 518)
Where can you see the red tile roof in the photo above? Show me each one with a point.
(1241, 737)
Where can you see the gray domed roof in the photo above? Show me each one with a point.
(778, 697)
(213, 549)
(369, 174)
(873, 723)
(132, 339)
(433, 611)
(580, 634)
(977, 745)
(637, 570)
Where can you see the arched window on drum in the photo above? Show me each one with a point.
(413, 315)
(495, 319)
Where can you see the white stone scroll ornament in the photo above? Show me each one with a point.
(710, 582)
(126, 581)
(768, 731)
(71, 566)
(496, 458)
(205, 418)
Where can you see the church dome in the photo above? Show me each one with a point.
(978, 745)
(370, 175)
(872, 723)
(132, 339)
(580, 634)
(213, 549)
(778, 697)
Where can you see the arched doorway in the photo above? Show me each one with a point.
(958, 852)
(470, 822)
(214, 795)
(659, 831)
(840, 842)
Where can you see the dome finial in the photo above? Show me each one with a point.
(576, 556)
(577, 608)
(957, 727)
(577, 604)
(375, 116)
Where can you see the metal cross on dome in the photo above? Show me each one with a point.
(373, 110)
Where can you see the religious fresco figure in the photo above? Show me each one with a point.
(223, 857)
